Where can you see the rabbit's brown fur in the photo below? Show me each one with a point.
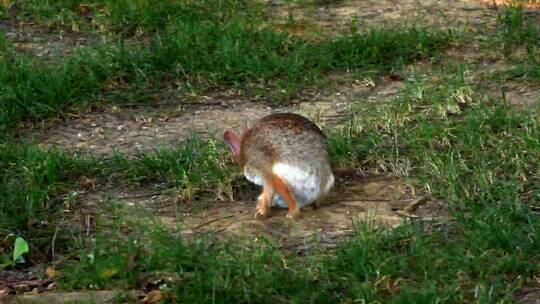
(285, 153)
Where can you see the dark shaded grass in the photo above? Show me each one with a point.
(39, 188)
(518, 32)
(128, 18)
(231, 55)
(33, 185)
(402, 265)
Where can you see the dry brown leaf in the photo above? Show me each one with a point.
(83, 9)
(154, 296)
(51, 272)
(87, 183)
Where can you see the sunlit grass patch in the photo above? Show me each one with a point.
(204, 53)
(195, 168)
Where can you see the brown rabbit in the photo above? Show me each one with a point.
(287, 154)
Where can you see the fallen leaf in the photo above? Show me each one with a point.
(154, 296)
(22, 287)
(50, 272)
(108, 273)
(83, 9)
(87, 183)
(33, 292)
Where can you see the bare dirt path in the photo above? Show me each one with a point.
(378, 201)
(134, 129)
(335, 16)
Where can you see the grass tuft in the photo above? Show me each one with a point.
(197, 167)
(34, 188)
(196, 50)
(518, 37)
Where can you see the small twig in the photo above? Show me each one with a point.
(147, 104)
(216, 231)
(415, 204)
(242, 202)
(434, 219)
(212, 221)
(87, 222)
(54, 237)
(406, 214)
(187, 103)
(471, 8)
(139, 196)
(364, 200)
(65, 196)
(532, 207)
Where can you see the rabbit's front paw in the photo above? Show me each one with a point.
(262, 212)
(263, 207)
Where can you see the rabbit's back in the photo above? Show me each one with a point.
(285, 137)
(292, 147)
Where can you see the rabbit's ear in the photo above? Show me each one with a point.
(233, 141)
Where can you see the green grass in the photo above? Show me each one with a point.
(37, 193)
(39, 188)
(515, 29)
(197, 50)
(440, 132)
(195, 169)
(396, 266)
(449, 133)
(128, 18)
(32, 90)
(479, 157)
(517, 38)
(233, 55)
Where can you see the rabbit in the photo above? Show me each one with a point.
(287, 154)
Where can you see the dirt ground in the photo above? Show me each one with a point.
(169, 118)
(133, 129)
(336, 15)
(141, 128)
(378, 201)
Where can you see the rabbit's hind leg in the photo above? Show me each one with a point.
(283, 190)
